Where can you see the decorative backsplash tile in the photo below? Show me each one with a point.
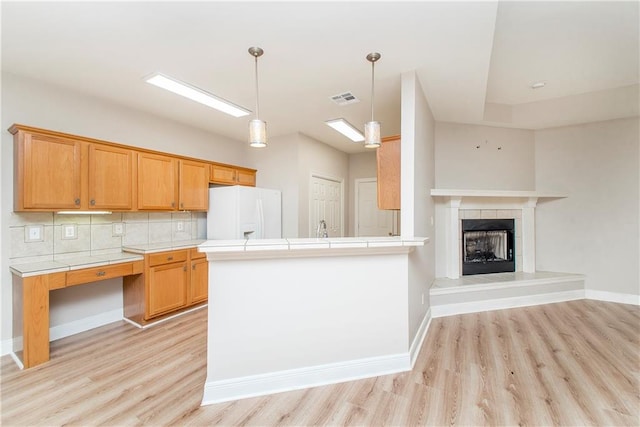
(94, 234)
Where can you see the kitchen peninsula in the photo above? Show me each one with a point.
(287, 314)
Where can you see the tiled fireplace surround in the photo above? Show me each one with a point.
(490, 204)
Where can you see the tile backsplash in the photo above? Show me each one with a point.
(98, 234)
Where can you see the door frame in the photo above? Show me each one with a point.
(312, 228)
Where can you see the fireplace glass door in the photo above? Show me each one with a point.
(487, 246)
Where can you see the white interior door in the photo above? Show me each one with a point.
(371, 221)
(326, 204)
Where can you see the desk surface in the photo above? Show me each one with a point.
(69, 263)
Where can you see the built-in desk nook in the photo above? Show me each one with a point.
(159, 281)
(32, 284)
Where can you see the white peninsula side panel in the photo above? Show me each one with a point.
(304, 312)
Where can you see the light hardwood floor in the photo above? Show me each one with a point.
(573, 363)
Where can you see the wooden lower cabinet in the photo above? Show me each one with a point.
(172, 280)
(199, 277)
(167, 290)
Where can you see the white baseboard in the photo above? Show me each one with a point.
(295, 379)
(7, 347)
(612, 297)
(416, 345)
(503, 303)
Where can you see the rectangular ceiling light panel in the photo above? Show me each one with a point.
(198, 95)
(347, 129)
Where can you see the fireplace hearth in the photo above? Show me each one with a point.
(487, 246)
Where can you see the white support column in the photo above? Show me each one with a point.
(528, 235)
(453, 237)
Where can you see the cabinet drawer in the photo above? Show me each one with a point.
(94, 274)
(167, 257)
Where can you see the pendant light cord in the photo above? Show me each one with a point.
(373, 64)
(257, 96)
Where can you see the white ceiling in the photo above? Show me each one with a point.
(475, 60)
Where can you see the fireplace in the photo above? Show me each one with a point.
(487, 246)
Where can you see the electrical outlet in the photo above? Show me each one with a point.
(69, 231)
(34, 233)
(117, 229)
(180, 226)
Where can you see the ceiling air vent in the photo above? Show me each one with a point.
(345, 98)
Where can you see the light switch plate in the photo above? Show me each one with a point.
(118, 229)
(34, 233)
(69, 231)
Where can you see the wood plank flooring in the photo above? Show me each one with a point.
(572, 363)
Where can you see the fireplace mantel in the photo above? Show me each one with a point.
(455, 200)
(494, 193)
(491, 196)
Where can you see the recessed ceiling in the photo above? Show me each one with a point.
(467, 55)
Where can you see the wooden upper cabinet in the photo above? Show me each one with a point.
(157, 182)
(47, 172)
(111, 177)
(388, 162)
(55, 171)
(246, 177)
(194, 185)
(222, 174)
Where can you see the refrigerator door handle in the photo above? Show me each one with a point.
(260, 227)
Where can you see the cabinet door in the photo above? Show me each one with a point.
(167, 288)
(110, 177)
(199, 280)
(222, 175)
(49, 172)
(157, 182)
(246, 177)
(194, 186)
(388, 160)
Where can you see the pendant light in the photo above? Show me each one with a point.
(257, 127)
(372, 128)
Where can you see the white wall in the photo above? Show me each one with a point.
(459, 164)
(417, 207)
(595, 230)
(38, 104)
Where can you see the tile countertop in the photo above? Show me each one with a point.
(161, 247)
(69, 263)
(301, 244)
(72, 263)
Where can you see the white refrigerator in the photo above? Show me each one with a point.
(240, 212)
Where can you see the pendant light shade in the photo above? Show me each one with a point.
(257, 133)
(372, 128)
(372, 134)
(257, 127)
